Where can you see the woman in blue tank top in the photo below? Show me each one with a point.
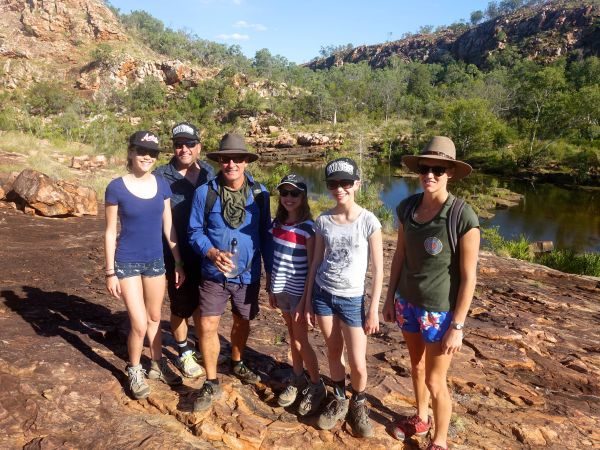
(135, 269)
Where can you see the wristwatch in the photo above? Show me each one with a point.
(457, 325)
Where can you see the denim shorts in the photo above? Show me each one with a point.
(431, 324)
(351, 310)
(153, 268)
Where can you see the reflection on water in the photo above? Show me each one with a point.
(569, 218)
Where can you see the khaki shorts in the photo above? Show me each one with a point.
(214, 297)
(287, 302)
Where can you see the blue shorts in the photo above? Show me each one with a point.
(351, 310)
(431, 324)
(153, 268)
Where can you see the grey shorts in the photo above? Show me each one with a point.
(287, 302)
(214, 296)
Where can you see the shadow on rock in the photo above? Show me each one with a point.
(72, 318)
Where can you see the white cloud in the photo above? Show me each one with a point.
(233, 37)
(254, 26)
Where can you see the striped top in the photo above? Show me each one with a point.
(290, 258)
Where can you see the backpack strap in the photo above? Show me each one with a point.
(211, 199)
(454, 213)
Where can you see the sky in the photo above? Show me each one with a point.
(297, 29)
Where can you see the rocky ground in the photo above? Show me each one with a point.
(528, 375)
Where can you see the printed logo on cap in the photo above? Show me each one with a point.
(340, 166)
(183, 128)
(149, 138)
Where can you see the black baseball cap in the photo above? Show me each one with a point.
(295, 180)
(342, 169)
(144, 139)
(185, 130)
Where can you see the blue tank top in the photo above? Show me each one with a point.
(140, 239)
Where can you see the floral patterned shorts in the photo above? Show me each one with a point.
(431, 324)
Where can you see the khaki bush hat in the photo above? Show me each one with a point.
(439, 148)
(232, 145)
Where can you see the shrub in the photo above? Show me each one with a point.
(569, 261)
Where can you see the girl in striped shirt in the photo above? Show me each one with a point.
(293, 243)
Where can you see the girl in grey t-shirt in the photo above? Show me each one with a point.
(347, 237)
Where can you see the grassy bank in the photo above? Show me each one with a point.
(563, 260)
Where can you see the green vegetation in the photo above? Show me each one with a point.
(563, 260)
(508, 115)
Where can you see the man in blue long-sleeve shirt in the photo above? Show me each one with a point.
(231, 207)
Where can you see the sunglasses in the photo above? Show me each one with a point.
(295, 193)
(188, 144)
(146, 152)
(437, 171)
(344, 184)
(235, 159)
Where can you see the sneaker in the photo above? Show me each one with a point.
(312, 397)
(244, 374)
(188, 366)
(335, 410)
(207, 394)
(433, 446)
(137, 382)
(290, 393)
(160, 370)
(358, 418)
(411, 426)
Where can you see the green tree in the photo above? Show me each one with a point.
(476, 17)
(471, 125)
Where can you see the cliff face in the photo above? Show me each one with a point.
(542, 33)
(54, 39)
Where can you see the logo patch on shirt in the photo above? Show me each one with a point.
(433, 245)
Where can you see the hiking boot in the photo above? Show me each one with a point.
(207, 394)
(433, 446)
(411, 426)
(244, 374)
(312, 397)
(335, 410)
(358, 418)
(160, 370)
(188, 366)
(289, 394)
(137, 382)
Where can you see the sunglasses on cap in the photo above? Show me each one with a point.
(235, 159)
(334, 184)
(437, 171)
(140, 151)
(189, 144)
(294, 193)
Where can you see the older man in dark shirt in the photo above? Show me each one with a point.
(184, 173)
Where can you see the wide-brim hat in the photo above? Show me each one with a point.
(294, 180)
(440, 148)
(232, 145)
(144, 139)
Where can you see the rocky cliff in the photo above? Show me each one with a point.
(527, 377)
(542, 33)
(54, 40)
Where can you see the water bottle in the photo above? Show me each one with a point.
(235, 257)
